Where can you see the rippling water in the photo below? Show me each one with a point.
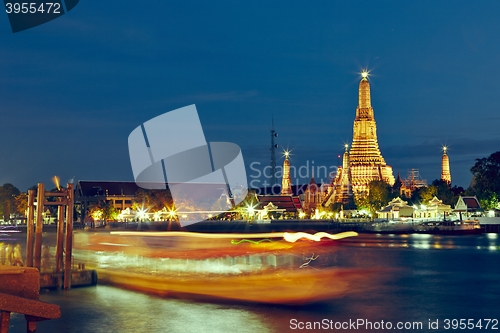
(430, 278)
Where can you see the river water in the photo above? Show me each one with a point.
(432, 281)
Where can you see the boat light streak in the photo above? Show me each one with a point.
(235, 242)
(291, 237)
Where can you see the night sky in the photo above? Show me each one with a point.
(72, 90)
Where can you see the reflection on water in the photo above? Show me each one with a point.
(432, 278)
(108, 309)
(488, 241)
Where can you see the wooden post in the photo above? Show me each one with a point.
(69, 237)
(4, 321)
(31, 326)
(60, 241)
(39, 225)
(30, 228)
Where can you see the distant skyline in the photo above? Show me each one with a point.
(72, 90)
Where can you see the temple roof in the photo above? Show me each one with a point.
(281, 201)
(97, 188)
(276, 190)
(469, 204)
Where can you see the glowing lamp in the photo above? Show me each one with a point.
(141, 213)
(250, 210)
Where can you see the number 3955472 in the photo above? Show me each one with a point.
(33, 8)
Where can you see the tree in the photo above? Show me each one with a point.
(486, 177)
(449, 195)
(361, 201)
(161, 199)
(103, 211)
(379, 194)
(457, 191)
(152, 200)
(490, 203)
(21, 203)
(8, 192)
(426, 193)
(142, 199)
(250, 200)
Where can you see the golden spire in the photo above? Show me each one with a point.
(365, 160)
(445, 167)
(345, 159)
(364, 91)
(286, 182)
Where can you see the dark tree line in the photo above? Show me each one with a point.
(485, 183)
(380, 193)
(8, 205)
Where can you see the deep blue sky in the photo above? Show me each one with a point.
(73, 89)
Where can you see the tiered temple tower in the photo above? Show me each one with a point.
(445, 167)
(345, 190)
(286, 182)
(312, 196)
(365, 160)
(340, 190)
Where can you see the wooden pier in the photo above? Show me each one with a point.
(491, 228)
(62, 273)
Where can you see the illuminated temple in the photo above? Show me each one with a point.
(366, 163)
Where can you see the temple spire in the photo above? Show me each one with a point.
(364, 101)
(286, 182)
(345, 159)
(365, 160)
(445, 167)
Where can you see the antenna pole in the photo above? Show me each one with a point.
(273, 154)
